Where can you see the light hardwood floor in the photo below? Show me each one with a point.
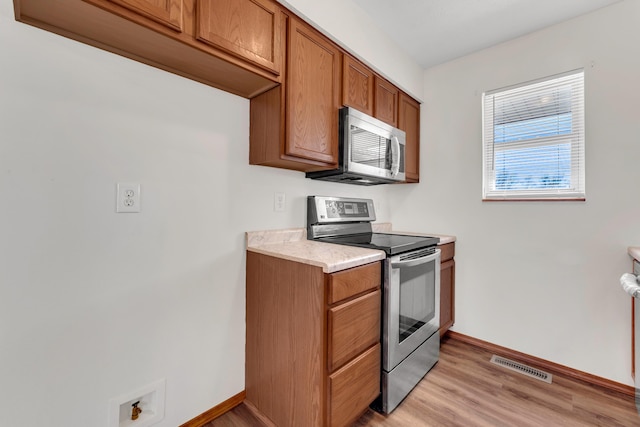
(465, 389)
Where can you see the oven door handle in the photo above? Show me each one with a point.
(417, 261)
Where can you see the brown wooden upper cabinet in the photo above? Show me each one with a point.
(386, 102)
(236, 46)
(357, 85)
(165, 12)
(295, 76)
(295, 125)
(249, 29)
(365, 91)
(409, 121)
(313, 88)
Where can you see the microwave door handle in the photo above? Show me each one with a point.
(417, 261)
(395, 155)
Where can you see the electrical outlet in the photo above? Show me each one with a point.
(279, 202)
(128, 198)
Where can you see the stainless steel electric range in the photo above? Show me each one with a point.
(411, 290)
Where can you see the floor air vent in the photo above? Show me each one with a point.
(523, 369)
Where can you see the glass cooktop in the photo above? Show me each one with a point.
(390, 243)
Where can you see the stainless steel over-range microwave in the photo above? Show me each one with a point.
(371, 151)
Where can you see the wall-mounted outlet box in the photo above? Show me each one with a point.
(150, 399)
(128, 197)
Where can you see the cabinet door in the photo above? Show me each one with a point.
(409, 121)
(357, 85)
(166, 12)
(313, 95)
(386, 102)
(249, 29)
(447, 295)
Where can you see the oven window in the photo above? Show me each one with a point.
(417, 298)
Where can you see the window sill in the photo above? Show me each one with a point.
(541, 199)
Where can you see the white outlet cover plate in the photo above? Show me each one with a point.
(279, 202)
(128, 197)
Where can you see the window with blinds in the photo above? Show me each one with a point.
(533, 140)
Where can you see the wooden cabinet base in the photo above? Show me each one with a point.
(310, 362)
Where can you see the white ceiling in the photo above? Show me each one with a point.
(436, 31)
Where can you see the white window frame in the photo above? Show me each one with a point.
(576, 191)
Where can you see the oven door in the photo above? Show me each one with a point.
(411, 303)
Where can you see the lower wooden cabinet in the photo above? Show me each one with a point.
(447, 287)
(313, 341)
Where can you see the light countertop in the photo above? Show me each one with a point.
(292, 244)
(634, 252)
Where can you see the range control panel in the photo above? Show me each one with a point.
(339, 209)
(346, 209)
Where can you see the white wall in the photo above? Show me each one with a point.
(95, 304)
(350, 26)
(541, 278)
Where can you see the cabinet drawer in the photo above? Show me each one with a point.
(354, 387)
(353, 327)
(446, 251)
(347, 283)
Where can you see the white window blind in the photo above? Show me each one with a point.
(533, 140)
